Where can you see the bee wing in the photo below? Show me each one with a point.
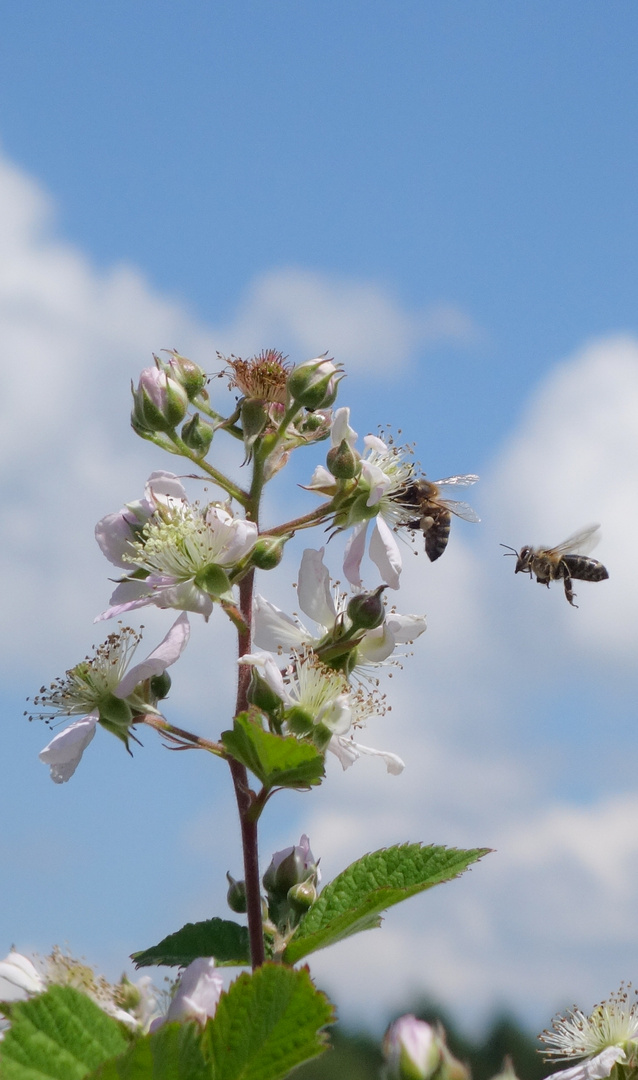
(579, 543)
(461, 509)
(457, 481)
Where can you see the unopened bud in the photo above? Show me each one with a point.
(412, 1050)
(254, 417)
(342, 462)
(366, 611)
(160, 685)
(160, 403)
(197, 435)
(187, 374)
(314, 383)
(268, 552)
(302, 896)
(290, 867)
(236, 895)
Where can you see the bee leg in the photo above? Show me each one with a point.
(569, 592)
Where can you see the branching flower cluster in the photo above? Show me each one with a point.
(304, 690)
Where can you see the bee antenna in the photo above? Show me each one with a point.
(510, 551)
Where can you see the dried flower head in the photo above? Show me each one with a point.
(263, 376)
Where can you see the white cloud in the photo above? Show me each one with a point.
(360, 323)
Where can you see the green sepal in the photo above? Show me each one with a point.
(59, 1035)
(115, 711)
(214, 580)
(267, 1023)
(354, 900)
(227, 941)
(276, 760)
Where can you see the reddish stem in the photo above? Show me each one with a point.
(245, 797)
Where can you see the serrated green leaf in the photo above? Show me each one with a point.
(276, 760)
(268, 1023)
(172, 1053)
(59, 1035)
(227, 941)
(354, 900)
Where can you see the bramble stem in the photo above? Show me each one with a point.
(180, 735)
(245, 797)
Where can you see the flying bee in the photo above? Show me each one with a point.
(434, 512)
(567, 560)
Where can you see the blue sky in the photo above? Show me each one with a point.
(443, 195)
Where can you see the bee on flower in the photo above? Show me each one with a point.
(365, 488)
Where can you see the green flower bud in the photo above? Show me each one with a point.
(268, 552)
(302, 896)
(367, 610)
(254, 417)
(189, 375)
(160, 685)
(342, 462)
(290, 867)
(160, 403)
(198, 435)
(236, 895)
(314, 383)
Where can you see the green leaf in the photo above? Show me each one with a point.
(268, 1023)
(225, 940)
(172, 1053)
(59, 1035)
(354, 899)
(276, 760)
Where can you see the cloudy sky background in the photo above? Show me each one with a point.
(444, 197)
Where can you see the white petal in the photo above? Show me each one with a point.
(378, 644)
(373, 442)
(21, 973)
(268, 668)
(164, 489)
(167, 652)
(384, 552)
(63, 754)
(336, 715)
(313, 589)
(595, 1068)
(114, 534)
(347, 750)
(406, 628)
(340, 428)
(273, 629)
(321, 480)
(354, 553)
(198, 992)
(377, 480)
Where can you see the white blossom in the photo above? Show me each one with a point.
(608, 1035)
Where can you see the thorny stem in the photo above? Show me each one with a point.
(245, 797)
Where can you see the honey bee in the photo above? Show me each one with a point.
(434, 512)
(567, 560)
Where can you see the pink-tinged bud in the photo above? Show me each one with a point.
(197, 435)
(290, 867)
(189, 375)
(160, 403)
(198, 992)
(412, 1049)
(314, 383)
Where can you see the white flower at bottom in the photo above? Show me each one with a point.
(608, 1035)
(21, 973)
(197, 994)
